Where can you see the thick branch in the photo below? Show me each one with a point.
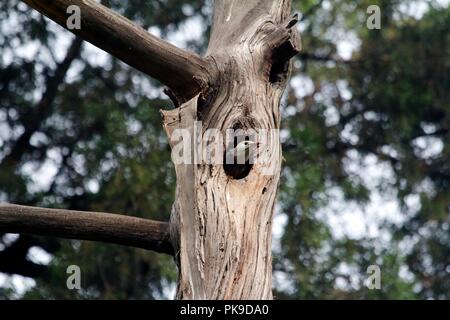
(185, 73)
(232, 19)
(104, 227)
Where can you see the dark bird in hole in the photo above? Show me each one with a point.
(238, 162)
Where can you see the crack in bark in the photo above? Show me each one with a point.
(233, 82)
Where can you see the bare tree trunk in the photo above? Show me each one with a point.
(221, 226)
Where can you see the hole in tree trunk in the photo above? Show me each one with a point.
(237, 167)
(279, 71)
(237, 171)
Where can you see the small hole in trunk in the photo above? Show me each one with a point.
(232, 166)
(238, 171)
(239, 166)
(279, 71)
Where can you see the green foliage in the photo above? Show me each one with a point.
(389, 101)
(387, 104)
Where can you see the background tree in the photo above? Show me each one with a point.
(383, 108)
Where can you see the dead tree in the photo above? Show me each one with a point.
(220, 226)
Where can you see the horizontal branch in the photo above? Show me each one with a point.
(184, 72)
(80, 225)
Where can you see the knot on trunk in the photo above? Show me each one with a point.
(282, 43)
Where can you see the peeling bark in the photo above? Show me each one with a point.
(184, 72)
(221, 227)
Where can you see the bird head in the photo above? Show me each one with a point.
(245, 148)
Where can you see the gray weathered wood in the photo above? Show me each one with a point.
(221, 227)
(105, 227)
(184, 72)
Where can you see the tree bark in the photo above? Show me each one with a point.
(31, 121)
(105, 227)
(184, 72)
(220, 226)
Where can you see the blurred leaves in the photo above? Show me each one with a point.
(360, 101)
